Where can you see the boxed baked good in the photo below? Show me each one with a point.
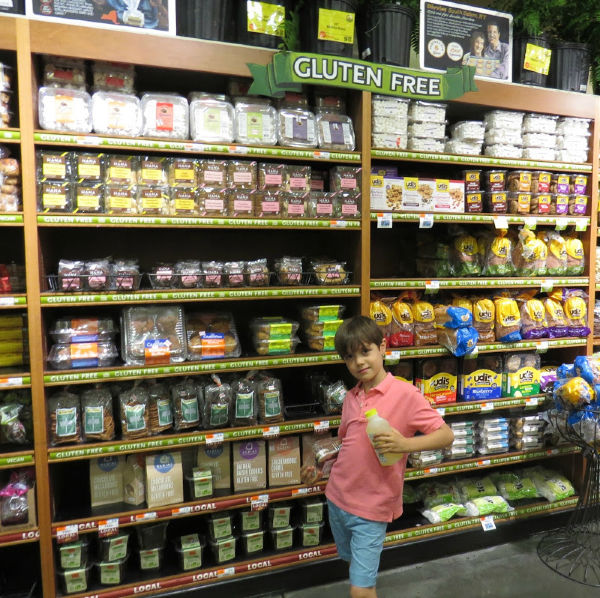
(153, 335)
(242, 174)
(296, 204)
(62, 109)
(335, 131)
(116, 113)
(212, 173)
(296, 126)
(255, 121)
(153, 171)
(189, 551)
(164, 479)
(427, 111)
(216, 459)
(113, 76)
(60, 71)
(212, 201)
(521, 375)
(88, 198)
(427, 129)
(223, 549)
(504, 150)
(53, 165)
(165, 115)
(82, 355)
(539, 123)
(345, 178)
(120, 200)
(182, 172)
(55, 196)
(481, 378)
(426, 144)
(183, 201)
(437, 379)
(106, 480)
(121, 170)
(152, 200)
(297, 178)
(211, 118)
(347, 204)
(249, 465)
(284, 461)
(211, 336)
(267, 204)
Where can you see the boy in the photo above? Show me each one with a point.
(363, 495)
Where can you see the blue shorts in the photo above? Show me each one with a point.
(360, 542)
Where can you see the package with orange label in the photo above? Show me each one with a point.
(437, 379)
(211, 336)
(153, 335)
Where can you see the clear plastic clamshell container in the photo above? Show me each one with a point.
(165, 115)
(67, 110)
(389, 124)
(389, 106)
(153, 335)
(577, 143)
(468, 130)
(540, 123)
(82, 355)
(115, 113)
(435, 130)
(255, 122)
(296, 127)
(503, 119)
(503, 150)
(426, 144)
(335, 131)
(83, 330)
(389, 140)
(212, 118)
(568, 125)
(427, 111)
(457, 146)
(501, 135)
(545, 140)
(539, 153)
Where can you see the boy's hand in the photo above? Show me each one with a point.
(309, 474)
(392, 442)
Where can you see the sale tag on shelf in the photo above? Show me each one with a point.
(271, 432)
(321, 426)
(7, 300)
(384, 221)
(216, 438)
(260, 502)
(67, 533)
(551, 452)
(392, 357)
(541, 347)
(431, 470)
(146, 516)
(581, 226)
(338, 223)
(16, 381)
(226, 572)
(432, 286)
(441, 411)
(181, 511)
(426, 221)
(486, 407)
(561, 223)
(299, 491)
(530, 222)
(501, 222)
(108, 527)
(484, 462)
(546, 286)
(487, 523)
(531, 402)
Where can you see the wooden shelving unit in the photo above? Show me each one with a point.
(28, 39)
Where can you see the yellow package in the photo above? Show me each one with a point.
(533, 319)
(382, 315)
(555, 316)
(575, 392)
(575, 310)
(575, 256)
(424, 317)
(401, 332)
(508, 320)
(460, 301)
(484, 315)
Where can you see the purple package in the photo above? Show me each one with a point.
(547, 377)
(384, 170)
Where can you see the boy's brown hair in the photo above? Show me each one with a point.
(355, 333)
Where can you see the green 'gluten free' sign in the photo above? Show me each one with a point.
(290, 70)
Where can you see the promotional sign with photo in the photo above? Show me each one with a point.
(452, 35)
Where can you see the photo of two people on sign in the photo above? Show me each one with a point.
(487, 53)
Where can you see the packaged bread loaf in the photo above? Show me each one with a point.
(133, 406)
(97, 414)
(64, 419)
(465, 256)
(211, 336)
(556, 262)
(424, 319)
(186, 403)
(401, 331)
(218, 400)
(244, 401)
(533, 319)
(270, 399)
(575, 256)
(498, 256)
(160, 409)
(508, 320)
(555, 317)
(530, 254)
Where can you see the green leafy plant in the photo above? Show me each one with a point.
(291, 37)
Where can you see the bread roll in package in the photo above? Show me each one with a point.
(484, 316)
(508, 320)
(498, 256)
(454, 329)
(424, 321)
(533, 318)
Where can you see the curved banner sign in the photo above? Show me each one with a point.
(290, 70)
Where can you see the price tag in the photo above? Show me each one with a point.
(432, 286)
(486, 407)
(271, 432)
(484, 462)
(226, 572)
(392, 356)
(88, 140)
(384, 221)
(487, 523)
(146, 516)
(530, 222)
(7, 300)
(299, 491)
(338, 223)
(216, 438)
(561, 223)
(432, 470)
(441, 411)
(553, 451)
(426, 221)
(321, 426)
(67, 533)
(473, 354)
(581, 226)
(322, 155)
(238, 149)
(17, 381)
(108, 527)
(181, 511)
(541, 347)
(531, 402)
(198, 147)
(260, 502)
(546, 286)
(501, 222)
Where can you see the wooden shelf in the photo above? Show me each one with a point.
(10, 379)
(23, 537)
(197, 437)
(490, 405)
(213, 365)
(546, 284)
(182, 296)
(8, 33)
(442, 158)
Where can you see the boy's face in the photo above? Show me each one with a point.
(366, 363)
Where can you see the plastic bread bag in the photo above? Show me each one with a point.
(257, 273)
(574, 393)
(329, 272)
(218, 401)
(465, 256)
(487, 505)
(401, 333)
(64, 418)
(513, 486)
(160, 408)
(186, 405)
(188, 274)
(424, 319)
(530, 254)
(444, 512)
(585, 425)
(410, 495)
(484, 315)
(533, 319)
(555, 316)
(459, 341)
(381, 314)
(550, 484)
(270, 399)
(437, 493)
(12, 428)
(245, 402)
(548, 376)
(508, 320)
(332, 397)
(498, 260)
(325, 451)
(470, 488)
(133, 405)
(575, 256)
(97, 414)
(575, 308)
(556, 262)
(425, 458)
(448, 316)
(588, 368)
(288, 271)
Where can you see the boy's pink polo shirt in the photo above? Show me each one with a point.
(358, 484)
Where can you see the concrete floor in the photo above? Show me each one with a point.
(511, 570)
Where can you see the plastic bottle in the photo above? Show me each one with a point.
(378, 425)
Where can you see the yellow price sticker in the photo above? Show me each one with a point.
(537, 59)
(268, 19)
(336, 26)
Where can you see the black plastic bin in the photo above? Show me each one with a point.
(205, 19)
(385, 34)
(310, 27)
(570, 66)
(520, 73)
(251, 38)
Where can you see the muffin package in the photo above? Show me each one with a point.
(211, 336)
